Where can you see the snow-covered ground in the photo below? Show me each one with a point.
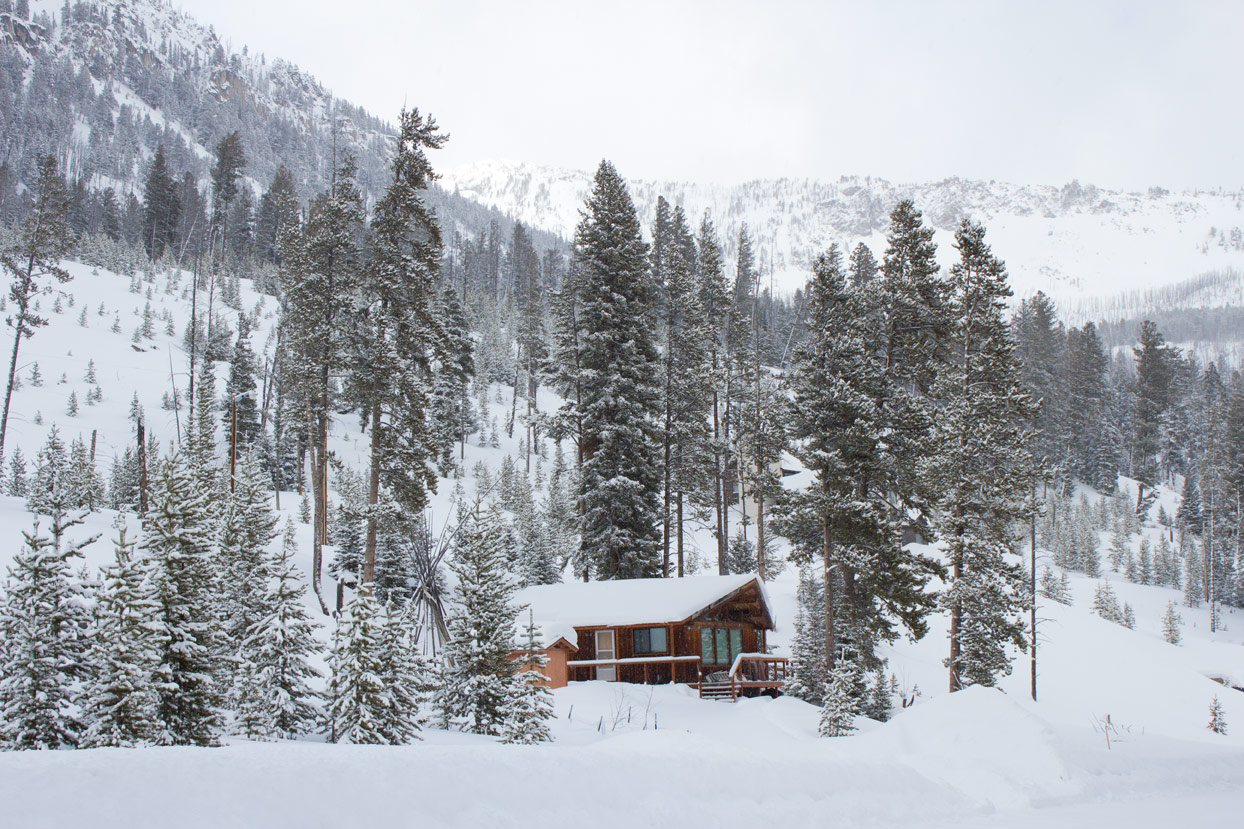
(653, 756)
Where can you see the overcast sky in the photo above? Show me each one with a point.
(1121, 94)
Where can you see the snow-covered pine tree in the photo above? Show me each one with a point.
(279, 702)
(1106, 603)
(320, 263)
(85, 487)
(16, 485)
(43, 626)
(840, 707)
(879, 699)
(358, 710)
(1129, 617)
(51, 469)
(478, 675)
(177, 539)
(686, 381)
(983, 468)
(1217, 720)
(529, 706)
(1052, 587)
(806, 676)
(247, 527)
(619, 399)
(394, 332)
(451, 414)
(120, 704)
(1171, 624)
(857, 429)
(407, 676)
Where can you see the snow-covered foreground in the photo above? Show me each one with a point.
(974, 758)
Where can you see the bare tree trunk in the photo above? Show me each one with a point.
(831, 640)
(373, 498)
(1032, 593)
(681, 563)
(719, 499)
(8, 393)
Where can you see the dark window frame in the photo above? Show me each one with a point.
(645, 633)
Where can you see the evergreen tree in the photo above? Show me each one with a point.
(51, 474)
(840, 708)
(161, 207)
(33, 261)
(478, 676)
(394, 332)
(321, 262)
(984, 467)
(863, 267)
(1106, 604)
(120, 703)
(1217, 721)
(177, 539)
(1041, 349)
(685, 380)
(16, 484)
(451, 412)
(620, 478)
(247, 527)
(240, 392)
(1171, 624)
(806, 677)
(1153, 382)
(281, 703)
(227, 171)
(43, 633)
(358, 710)
(529, 707)
(406, 675)
(843, 410)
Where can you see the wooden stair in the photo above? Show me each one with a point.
(717, 690)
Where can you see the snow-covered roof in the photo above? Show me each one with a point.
(559, 608)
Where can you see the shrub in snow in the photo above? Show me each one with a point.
(1217, 722)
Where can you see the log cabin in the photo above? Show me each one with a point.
(705, 631)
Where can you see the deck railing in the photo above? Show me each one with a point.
(758, 672)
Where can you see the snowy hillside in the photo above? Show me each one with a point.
(980, 757)
(1080, 244)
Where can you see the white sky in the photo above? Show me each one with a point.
(1122, 94)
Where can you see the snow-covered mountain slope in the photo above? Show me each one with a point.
(105, 82)
(1078, 243)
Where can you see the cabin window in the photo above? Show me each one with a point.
(649, 640)
(719, 646)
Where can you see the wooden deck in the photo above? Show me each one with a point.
(752, 674)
